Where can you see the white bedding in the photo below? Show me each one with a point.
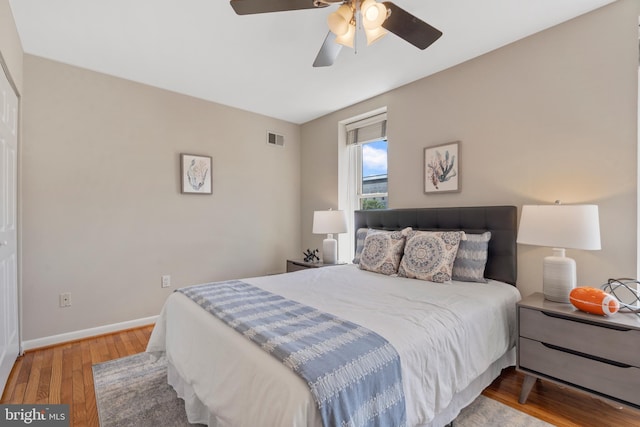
(447, 335)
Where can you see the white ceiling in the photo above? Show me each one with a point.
(262, 63)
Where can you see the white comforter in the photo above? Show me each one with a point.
(446, 335)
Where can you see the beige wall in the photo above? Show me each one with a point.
(103, 216)
(550, 117)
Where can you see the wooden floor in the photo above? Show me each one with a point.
(560, 406)
(62, 374)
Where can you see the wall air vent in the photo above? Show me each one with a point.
(275, 139)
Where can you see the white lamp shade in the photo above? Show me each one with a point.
(329, 222)
(560, 226)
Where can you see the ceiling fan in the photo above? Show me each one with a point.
(376, 18)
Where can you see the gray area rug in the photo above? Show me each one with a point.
(488, 412)
(133, 391)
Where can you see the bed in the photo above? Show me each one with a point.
(453, 338)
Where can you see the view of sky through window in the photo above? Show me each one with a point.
(374, 158)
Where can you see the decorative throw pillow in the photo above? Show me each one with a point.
(429, 255)
(382, 251)
(472, 258)
(361, 234)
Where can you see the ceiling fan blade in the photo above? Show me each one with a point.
(410, 28)
(328, 52)
(249, 7)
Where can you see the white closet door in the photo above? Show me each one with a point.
(9, 328)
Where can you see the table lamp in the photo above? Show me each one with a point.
(559, 226)
(329, 222)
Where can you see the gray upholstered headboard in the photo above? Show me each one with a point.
(501, 221)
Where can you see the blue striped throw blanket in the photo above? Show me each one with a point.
(353, 373)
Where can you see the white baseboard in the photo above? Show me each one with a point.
(86, 333)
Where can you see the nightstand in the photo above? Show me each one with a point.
(298, 264)
(596, 354)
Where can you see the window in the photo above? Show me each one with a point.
(367, 140)
(372, 175)
(362, 166)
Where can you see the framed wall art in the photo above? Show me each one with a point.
(195, 172)
(442, 168)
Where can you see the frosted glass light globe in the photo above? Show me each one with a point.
(338, 21)
(373, 14)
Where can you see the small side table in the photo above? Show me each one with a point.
(298, 264)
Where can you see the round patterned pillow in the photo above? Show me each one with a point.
(429, 255)
(382, 251)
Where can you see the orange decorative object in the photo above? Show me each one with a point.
(593, 300)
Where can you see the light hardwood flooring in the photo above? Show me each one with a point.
(559, 405)
(62, 374)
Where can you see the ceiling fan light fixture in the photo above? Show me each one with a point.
(374, 35)
(373, 14)
(348, 38)
(340, 20)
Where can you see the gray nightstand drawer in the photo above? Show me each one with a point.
(615, 381)
(602, 340)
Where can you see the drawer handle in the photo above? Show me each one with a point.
(587, 322)
(587, 356)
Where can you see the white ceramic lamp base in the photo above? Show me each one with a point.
(559, 276)
(330, 250)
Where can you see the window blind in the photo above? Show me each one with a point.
(367, 130)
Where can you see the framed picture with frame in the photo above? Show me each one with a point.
(442, 168)
(195, 174)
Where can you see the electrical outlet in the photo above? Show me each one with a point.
(166, 281)
(65, 300)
